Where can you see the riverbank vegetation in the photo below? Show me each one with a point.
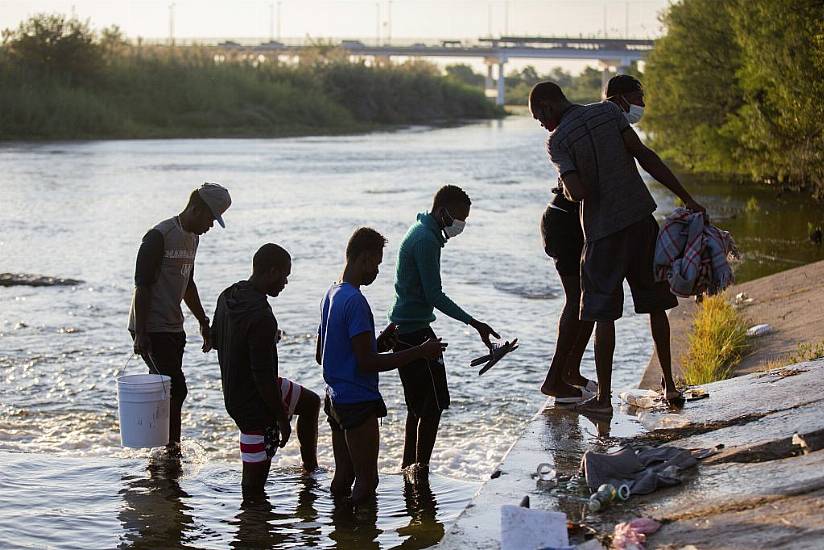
(60, 79)
(585, 87)
(735, 88)
(717, 342)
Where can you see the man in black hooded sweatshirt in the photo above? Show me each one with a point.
(245, 334)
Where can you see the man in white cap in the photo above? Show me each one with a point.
(164, 276)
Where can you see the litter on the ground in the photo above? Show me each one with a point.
(530, 529)
(602, 498)
(641, 399)
(694, 394)
(633, 534)
(642, 470)
(655, 421)
(742, 298)
(759, 330)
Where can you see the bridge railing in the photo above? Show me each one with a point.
(538, 42)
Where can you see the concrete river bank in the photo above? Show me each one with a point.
(763, 486)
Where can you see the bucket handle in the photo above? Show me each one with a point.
(152, 368)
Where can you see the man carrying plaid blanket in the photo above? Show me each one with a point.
(594, 150)
(692, 255)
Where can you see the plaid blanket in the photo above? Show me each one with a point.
(693, 256)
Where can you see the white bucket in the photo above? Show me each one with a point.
(143, 407)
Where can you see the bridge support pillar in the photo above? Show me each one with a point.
(489, 81)
(499, 99)
(605, 73)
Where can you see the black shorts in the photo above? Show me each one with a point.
(563, 240)
(424, 381)
(347, 416)
(167, 357)
(628, 254)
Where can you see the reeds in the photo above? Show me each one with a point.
(717, 342)
(155, 95)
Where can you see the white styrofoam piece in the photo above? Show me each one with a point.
(528, 529)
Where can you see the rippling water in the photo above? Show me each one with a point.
(80, 209)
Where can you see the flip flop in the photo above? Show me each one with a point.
(591, 386)
(494, 356)
(591, 406)
(585, 395)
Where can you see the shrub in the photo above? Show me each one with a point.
(717, 341)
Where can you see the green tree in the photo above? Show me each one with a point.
(692, 89)
(465, 74)
(781, 126)
(52, 45)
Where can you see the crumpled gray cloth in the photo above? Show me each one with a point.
(643, 470)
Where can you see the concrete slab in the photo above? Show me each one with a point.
(768, 438)
(734, 486)
(755, 395)
(795, 523)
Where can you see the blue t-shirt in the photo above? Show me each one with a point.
(345, 313)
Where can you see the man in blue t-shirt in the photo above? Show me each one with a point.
(351, 358)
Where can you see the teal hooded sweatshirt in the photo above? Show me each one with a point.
(418, 290)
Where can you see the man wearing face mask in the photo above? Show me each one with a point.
(564, 242)
(418, 292)
(626, 92)
(594, 150)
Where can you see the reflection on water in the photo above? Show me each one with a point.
(101, 503)
(155, 512)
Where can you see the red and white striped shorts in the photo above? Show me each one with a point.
(260, 445)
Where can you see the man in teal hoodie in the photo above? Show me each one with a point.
(418, 293)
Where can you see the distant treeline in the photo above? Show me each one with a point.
(737, 88)
(59, 79)
(585, 87)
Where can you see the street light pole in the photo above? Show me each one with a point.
(172, 24)
(279, 21)
(271, 21)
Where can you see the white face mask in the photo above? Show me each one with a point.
(635, 113)
(455, 229)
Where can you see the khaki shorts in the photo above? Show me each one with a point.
(628, 254)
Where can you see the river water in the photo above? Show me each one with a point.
(79, 210)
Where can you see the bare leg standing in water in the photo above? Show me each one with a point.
(418, 292)
(564, 241)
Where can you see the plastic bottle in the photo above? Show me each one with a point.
(602, 498)
(638, 401)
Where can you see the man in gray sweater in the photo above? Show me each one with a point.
(164, 277)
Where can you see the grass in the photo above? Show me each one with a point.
(752, 206)
(806, 351)
(717, 342)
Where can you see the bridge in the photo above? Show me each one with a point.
(608, 52)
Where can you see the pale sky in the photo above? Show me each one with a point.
(424, 19)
